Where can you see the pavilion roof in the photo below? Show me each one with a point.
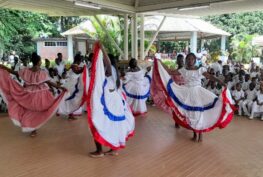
(181, 27)
(83, 28)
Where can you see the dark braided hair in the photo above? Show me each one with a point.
(35, 58)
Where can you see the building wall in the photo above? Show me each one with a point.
(50, 52)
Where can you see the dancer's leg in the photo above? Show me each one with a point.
(98, 153)
(194, 136)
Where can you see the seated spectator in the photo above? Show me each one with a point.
(238, 96)
(245, 84)
(257, 107)
(250, 96)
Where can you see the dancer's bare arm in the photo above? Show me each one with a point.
(106, 61)
(51, 84)
(170, 71)
(8, 70)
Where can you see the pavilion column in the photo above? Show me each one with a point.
(159, 45)
(193, 44)
(132, 38)
(142, 38)
(135, 37)
(126, 36)
(223, 43)
(70, 48)
(38, 48)
(202, 43)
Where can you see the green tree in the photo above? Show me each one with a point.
(243, 27)
(242, 48)
(238, 23)
(115, 30)
(19, 28)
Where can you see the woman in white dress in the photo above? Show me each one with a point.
(194, 107)
(71, 106)
(109, 115)
(137, 88)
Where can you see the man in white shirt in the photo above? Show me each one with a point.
(217, 66)
(59, 64)
(11, 58)
(238, 95)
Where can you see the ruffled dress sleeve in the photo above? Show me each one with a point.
(33, 78)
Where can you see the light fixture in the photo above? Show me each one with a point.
(193, 8)
(225, 2)
(117, 9)
(87, 4)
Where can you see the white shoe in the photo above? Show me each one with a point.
(262, 118)
(251, 118)
(247, 114)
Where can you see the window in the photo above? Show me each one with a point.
(53, 44)
(62, 44)
(50, 44)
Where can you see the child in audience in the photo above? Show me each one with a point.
(257, 106)
(213, 88)
(250, 96)
(229, 81)
(254, 80)
(238, 95)
(245, 84)
(53, 79)
(63, 79)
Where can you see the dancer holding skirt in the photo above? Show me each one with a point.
(193, 106)
(109, 115)
(137, 88)
(31, 105)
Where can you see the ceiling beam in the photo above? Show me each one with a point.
(114, 5)
(169, 5)
(136, 3)
(221, 8)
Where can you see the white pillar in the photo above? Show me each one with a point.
(194, 42)
(39, 43)
(135, 36)
(223, 43)
(142, 38)
(202, 43)
(126, 36)
(70, 48)
(132, 38)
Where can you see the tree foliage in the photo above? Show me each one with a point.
(243, 27)
(242, 48)
(238, 23)
(115, 28)
(18, 28)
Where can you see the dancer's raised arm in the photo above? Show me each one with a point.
(170, 71)
(106, 61)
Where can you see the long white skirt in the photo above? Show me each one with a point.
(137, 91)
(110, 118)
(73, 101)
(194, 108)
